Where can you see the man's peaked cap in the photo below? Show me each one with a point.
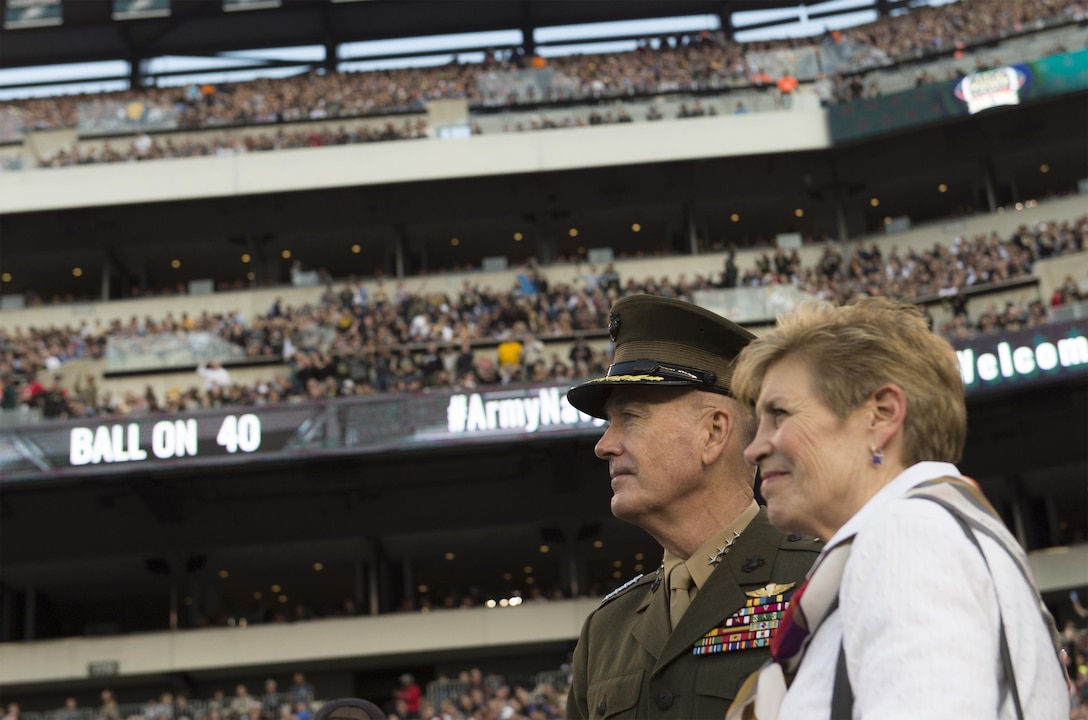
(662, 342)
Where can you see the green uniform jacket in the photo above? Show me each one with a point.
(628, 664)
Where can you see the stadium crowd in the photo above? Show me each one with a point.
(357, 342)
(470, 695)
(147, 147)
(690, 62)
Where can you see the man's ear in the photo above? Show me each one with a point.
(719, 425)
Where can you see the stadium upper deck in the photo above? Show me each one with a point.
(423, 207)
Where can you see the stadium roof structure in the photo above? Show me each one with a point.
(88, 31)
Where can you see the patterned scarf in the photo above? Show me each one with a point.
(762, 693)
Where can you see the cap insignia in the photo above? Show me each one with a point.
(613, 325)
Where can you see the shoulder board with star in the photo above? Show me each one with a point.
(636, 580)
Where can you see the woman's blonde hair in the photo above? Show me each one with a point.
(854, 349)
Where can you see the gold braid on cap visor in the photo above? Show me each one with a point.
(644, 369)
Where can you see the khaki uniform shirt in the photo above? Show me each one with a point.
(628, 662)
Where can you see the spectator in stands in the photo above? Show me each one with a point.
(409, 694)
(787, 86)
(241, 703)
(182, 711)
(13, 711)
(580, 352)
(108, 710)
(215, 375)
(510, 358)
(533, 352)
(301, 691)
(823, 89)
(1069, 291)
(70, 711)
(850, 458)
(673, 447)
(218, 702)
(54, 400)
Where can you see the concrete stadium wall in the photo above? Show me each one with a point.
(406, 634)
(33, 190)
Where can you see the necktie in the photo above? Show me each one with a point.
(680, 585)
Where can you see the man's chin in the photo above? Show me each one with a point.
(619, 509)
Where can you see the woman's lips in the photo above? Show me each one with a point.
(770, 475)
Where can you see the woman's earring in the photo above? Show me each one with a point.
(878, 456)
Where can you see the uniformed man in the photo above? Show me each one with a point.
(678, 642)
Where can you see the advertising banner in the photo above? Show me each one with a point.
(140, 9)
(969, 95)
(20, 14)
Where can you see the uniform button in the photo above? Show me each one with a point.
(793, 537)
(601, 707)
(664, 700)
